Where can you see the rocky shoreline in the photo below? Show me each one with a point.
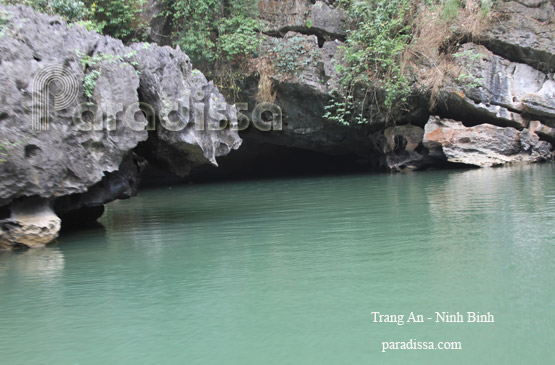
(70, 167)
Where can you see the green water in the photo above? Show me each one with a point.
(289, 272)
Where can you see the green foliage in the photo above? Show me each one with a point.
(374, 58)
(469, 55)
(289, 58)
(5, 147)
(486, 7)
(208, 30)
(380, 32)
(92, 67)
(450, 9)
(237, 36)
(468, 80)
(70, 10)
(121, 19)
(89, 82)
(5, 19)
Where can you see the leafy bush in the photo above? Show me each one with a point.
(379, 34)
(121, 19)
(385, 39)
(208, 30)
(69, 9)
(5, 18)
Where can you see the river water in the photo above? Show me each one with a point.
(290, 271)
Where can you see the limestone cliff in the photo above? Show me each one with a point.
(73, 133)
(81, 114)
(505, 79)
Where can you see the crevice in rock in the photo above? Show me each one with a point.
(509, 51)
(31, 150)
(471, 118)
(451, 44)
(461, 110)
(519, 54)
(322, 35)
(5, 212)
(531, 6)
(82, 208)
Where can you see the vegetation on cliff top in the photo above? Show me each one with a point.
(123, 19)
(396, 46)
(392, 48)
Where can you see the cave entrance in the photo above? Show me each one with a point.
(263, 161)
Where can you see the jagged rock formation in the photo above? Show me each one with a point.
(72, 151)
(506, 81)
(484, 145)
(500, 111)
(524, 33)
(281, 17)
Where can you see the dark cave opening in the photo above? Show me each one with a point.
(5, 212)
(264, 161)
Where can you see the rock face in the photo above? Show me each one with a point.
(505, 92)
(403, 148)
(524, 33)
(506, 80)
(483, 145)
(71, 122)
(499, 91)
(308, 17)
(32, 224)
(143, 104)
(303, 75)
(202, 133)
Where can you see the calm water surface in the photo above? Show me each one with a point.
(289, 272)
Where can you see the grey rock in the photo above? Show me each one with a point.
(544, 132)
(303, 76)
(524, 32)
(32, 224)
(327, 20)
(403, 149)
(63, 159)
(483, 145)
(159, 30)
(121, 184)
(90, 159)
(303, 16)
(195, 120)
(493, 88)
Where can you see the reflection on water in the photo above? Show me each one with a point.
(288, 272)
(44, 265)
